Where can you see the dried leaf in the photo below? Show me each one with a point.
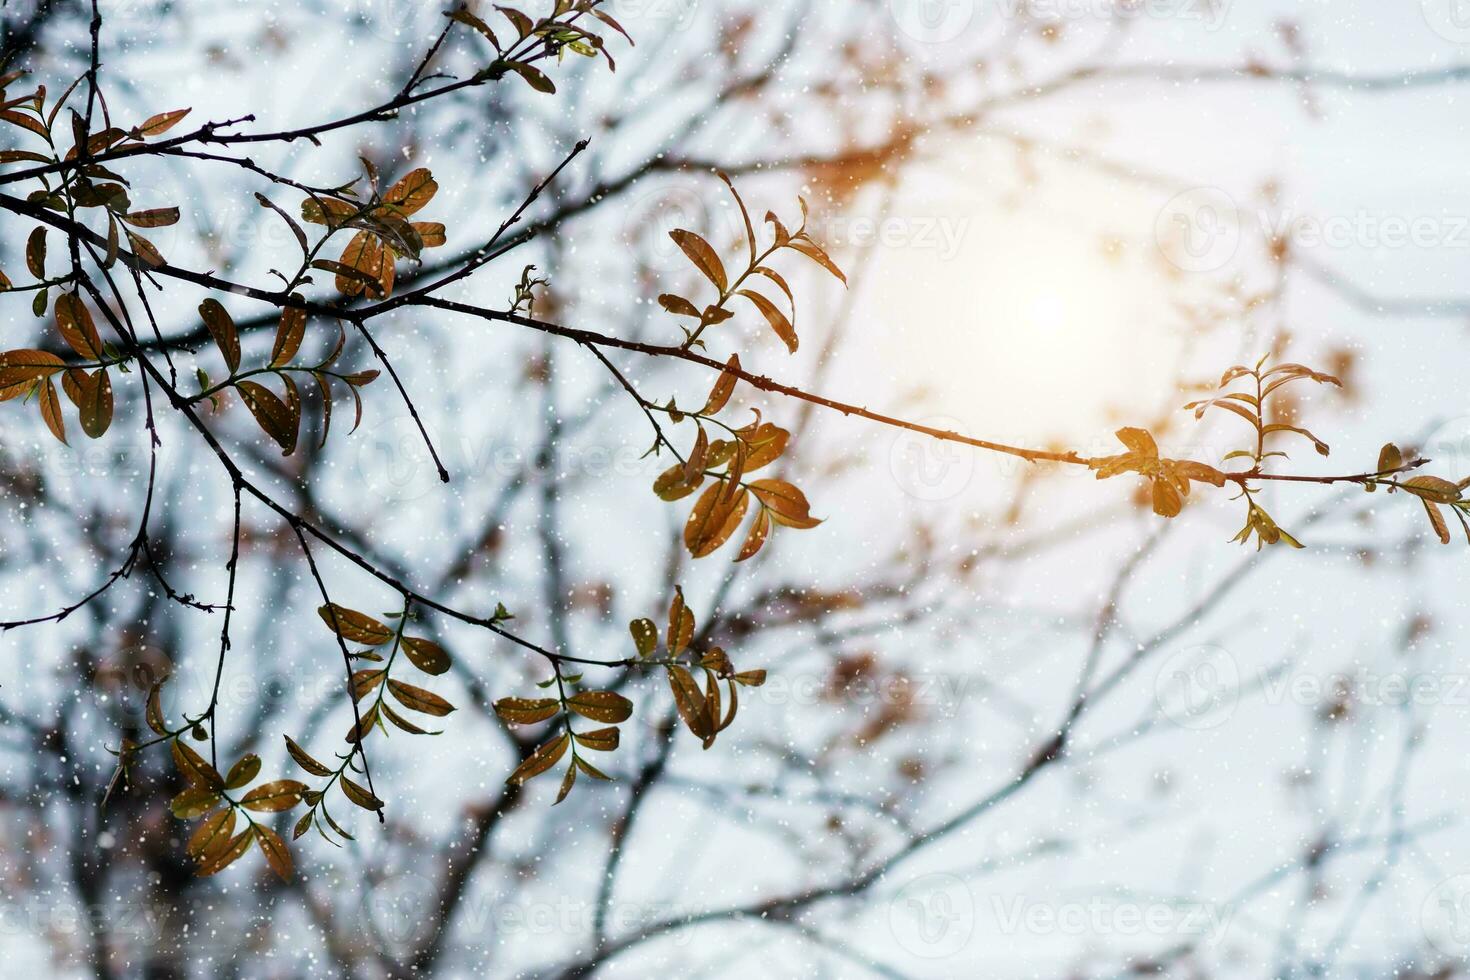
(527, 711)
(229, 854)
(719, 396)
(360, 796)
(645, 636)
(599, 739)
(305, 760)
(703, 255)
(289, 333)
(426, 655)
(274, 797)
(354, 626)
(277, 854)
(607, 707)
(276, 418)
(242, 772)
(212, 836)
(418, 699)
(545, 756)
(161, 123)
(774, 317)
(222, 329)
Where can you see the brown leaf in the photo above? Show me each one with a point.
(92, 395)
(229, 854)
(354, 626)
(305, 760)
(289, 333)
(161, 123)
(364, 682)
(212, 836)
(545, 756)
(153, 218)
(1436, 519)
(360, 796)
(222, 329)
(703, 255)
(681, 625)
(194, 768)
(277, 854)
(275, 417)
(50, 407)
(365, 266)
(678, 305)
(818, 255)
(719, 396)
(566, 785)
(415, 190)
(775, 318)
(607, 707)
(426, 655)
(419, 699)
(194, 802)
(1166, 499)
(760, 530)
(145, 250)
(74, 321)
(533, 76)
(21, 369)
(599, 739)
(36, 253)
(645, 636)
(527, 711)
(242, 772)
(715, 518)
(274, 797)
(689, 700)
(787, 504)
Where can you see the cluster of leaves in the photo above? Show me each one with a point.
(1434, 492)
(700, 710)
(90, 186)
(724, 464)
(372, 709)
(220, 802)
(383, 232)
(559, 33)
(1252, 405)
(30, 374)
(707, 260)
(722, 507)
(1170, 478)
(279, 417)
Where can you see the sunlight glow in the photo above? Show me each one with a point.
(1063, 308)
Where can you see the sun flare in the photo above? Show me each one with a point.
(1062, 309)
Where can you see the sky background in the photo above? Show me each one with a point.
(1022, 282)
